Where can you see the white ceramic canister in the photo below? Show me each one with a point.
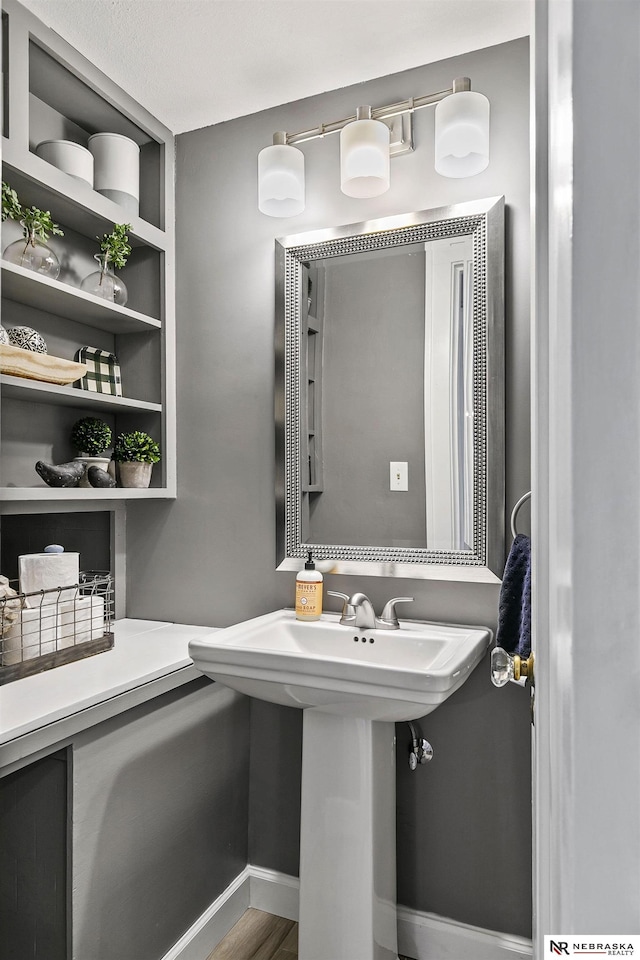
(116, 172)
(71, 157)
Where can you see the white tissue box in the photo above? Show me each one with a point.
(31, 635)
(80, 620)
(47, 571)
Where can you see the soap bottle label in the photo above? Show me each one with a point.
(308, 599)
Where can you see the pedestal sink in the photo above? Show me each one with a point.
(352, 685)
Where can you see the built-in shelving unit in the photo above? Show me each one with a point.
(51, 92)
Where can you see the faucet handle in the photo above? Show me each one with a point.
(348, 612)
(389, 617)
(341, 596)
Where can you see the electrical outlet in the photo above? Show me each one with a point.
(398, 475)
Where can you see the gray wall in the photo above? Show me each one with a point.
(216, 543)
(160, 801)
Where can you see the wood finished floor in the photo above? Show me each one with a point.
(261, 936)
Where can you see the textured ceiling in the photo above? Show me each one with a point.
(192, 63)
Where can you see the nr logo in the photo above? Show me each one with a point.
(559, 947)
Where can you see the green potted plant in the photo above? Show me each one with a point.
(114, 251)
(11, 206)
(32, 251)
(91, 437)
(135, 453)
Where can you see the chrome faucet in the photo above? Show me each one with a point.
(357, 611)
(365, 614)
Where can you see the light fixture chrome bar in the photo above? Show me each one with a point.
(380, 113)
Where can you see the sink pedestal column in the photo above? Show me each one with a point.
(347, 839)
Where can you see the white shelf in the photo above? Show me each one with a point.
(35, 391)
(25, 286)
(80, 494)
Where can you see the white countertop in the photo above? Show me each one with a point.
(148, 658)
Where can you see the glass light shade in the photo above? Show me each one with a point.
(364, 158)
(281, 181)
(462, 134)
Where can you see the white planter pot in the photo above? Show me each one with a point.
(135, 474)
(116, 172)
(71, 157)
(102, 462)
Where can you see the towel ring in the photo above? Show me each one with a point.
(514, 512)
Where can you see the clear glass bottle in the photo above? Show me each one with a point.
(32, 254)
(104, 282)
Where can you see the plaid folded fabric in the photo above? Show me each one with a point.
(103, 375)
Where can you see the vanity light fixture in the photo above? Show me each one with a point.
(461, 148)
(462, 132)
(364, 156)
(281, 178)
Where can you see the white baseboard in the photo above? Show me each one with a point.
(209, 929)
(274, 892)
(422, 936)
(426, 936)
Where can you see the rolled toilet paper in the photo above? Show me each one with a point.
(32, 634)
(80, 620)
(48, 571)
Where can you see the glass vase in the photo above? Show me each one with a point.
(104, 283)
(33, 254)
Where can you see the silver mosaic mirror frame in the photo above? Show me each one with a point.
(483, 220)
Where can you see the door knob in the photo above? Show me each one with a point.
(506, 666)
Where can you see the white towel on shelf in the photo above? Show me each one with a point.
(80, 620)
(47, 571)
(32, 634)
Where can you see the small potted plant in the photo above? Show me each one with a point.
(32, 251)
(115, 249)
(91, 437)
(135, 453)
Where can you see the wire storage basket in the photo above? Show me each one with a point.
(49, 628)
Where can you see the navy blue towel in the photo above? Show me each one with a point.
(514, 611)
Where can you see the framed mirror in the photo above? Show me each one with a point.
(390, 395)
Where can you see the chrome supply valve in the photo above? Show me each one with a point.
(420, 750)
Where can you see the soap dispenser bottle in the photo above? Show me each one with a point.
(308, 592)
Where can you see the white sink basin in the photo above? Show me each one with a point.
(354, 679)
(375, 674)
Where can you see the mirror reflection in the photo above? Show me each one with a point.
(393, 433)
